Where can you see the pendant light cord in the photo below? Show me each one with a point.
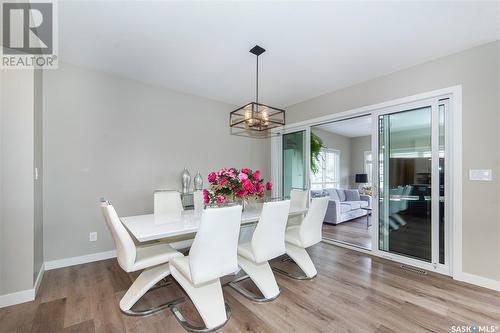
(257, 85)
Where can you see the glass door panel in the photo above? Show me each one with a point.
(405, 183)
(294, 162)
(442, 179)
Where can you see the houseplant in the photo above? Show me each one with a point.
(316, 145)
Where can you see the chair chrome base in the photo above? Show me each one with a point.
(248, 294)
(192, 328)
(163, 283)
(296, 276)
(292, 275)
(286, 259)
(150, 311)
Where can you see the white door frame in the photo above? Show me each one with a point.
(453, 146)
(434, 265)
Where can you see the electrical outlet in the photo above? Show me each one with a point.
(93, 236)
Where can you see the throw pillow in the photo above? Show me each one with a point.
(352, 195)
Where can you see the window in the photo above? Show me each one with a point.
(368, 166)
(328, 174)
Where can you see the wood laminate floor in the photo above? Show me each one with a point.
(353, 292)
(352, 232)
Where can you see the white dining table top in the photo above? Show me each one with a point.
(152, 227)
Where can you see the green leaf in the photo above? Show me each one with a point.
(316, 145)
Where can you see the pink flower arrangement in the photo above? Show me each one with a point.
(269, 186)
(233, 184)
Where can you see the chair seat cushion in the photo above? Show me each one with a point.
(153, 255)
(182, 265)
(245, 250)
(292, 235)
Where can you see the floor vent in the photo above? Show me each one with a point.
(413, 269)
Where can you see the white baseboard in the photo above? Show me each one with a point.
(23, 295)
(65, 262)
(17, 297)
(38, 280)
(461, 276)
(478, 280)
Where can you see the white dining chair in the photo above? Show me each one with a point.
(152, 259)
(198, 200)
(306, 234)
(268, 242)
(212, 255)
(167, 202)
(298, 202)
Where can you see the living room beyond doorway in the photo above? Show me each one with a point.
(341, 168)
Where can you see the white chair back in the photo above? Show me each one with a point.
(167, 202)
(214, 250)
(198, 200)
(268, 240)
(310, 231)
(395, 204)
(404, 200)
(125, 247)
(298, 200)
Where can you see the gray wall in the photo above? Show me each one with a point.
(1, 178)
(478, 71)
(359, 145)
(38, 183)
(343, 144)
(110, 137)
(17, 190)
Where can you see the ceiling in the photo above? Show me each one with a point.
(313, 48)
(351, 128)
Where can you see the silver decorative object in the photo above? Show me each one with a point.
(186, 180)
(198, 182)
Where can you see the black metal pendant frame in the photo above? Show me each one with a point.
(256, 119)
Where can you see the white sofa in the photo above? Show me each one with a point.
(344, 205)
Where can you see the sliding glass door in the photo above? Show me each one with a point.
(295, 161)
(411, 182)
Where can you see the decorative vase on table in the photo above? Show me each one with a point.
(234, 186)
(198, 182)
(244, 204)
(186, 180)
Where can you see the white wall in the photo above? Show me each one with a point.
(110, 137)
(359, 145)
(342, 144)
(478, 71)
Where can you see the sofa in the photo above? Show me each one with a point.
(344, 205)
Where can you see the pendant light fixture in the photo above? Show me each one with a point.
(255, 119)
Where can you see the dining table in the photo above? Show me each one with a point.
(149, 227)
